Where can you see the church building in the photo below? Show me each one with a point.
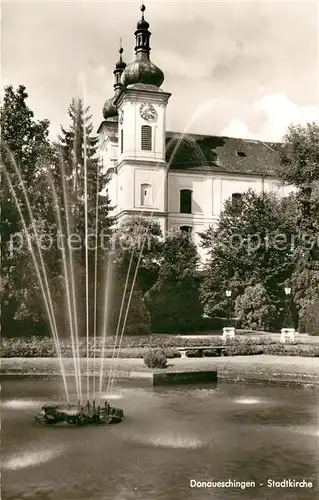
(179, 179)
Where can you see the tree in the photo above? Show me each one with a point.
(300, 156)
(309, 317)
(300, 167)
(23, 140)
(139, 241)
(174, 301)
(136, 248)
(72, 143)
(74, 202)
(254, 309)
(133, 308)
(51, 212)
(251, 245)
(21, 133)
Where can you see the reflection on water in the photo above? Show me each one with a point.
(247, 401)
(308, 431)
(168, 440)
(168, 437)
(20, 404)
(29, 459)
(111, 396)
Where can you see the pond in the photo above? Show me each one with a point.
(243, 433)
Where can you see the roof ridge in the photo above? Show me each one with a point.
(193, 134)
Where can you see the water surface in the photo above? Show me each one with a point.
(169, 436)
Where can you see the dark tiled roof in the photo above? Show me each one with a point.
(222, 154)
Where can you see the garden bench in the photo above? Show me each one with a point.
(219, 349)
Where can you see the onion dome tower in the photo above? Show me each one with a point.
(109, 109)
(142, 70)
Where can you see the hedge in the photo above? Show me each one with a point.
(134, 347)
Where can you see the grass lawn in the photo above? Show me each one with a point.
(236, 368)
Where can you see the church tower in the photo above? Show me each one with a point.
(108, 133)
(141, 109)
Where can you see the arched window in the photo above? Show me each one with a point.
(186, 201)
(146, 138)
(122, 142)
(236, 200)
(186, 229)
(146, 195)
(236, 197)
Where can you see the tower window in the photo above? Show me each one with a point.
(122, 142)
(185, 201)
(146, 195)
(241, 153)
(146, 138)
(186, 229)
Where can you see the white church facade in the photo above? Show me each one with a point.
(181, 180)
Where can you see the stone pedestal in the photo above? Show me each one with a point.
(287, 334)
(228, 332)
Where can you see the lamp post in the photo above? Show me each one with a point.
(287, 307)
(287, 331)
(228, 295)
(229, 331)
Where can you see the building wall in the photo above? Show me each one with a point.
(210, 192)
(136, 168)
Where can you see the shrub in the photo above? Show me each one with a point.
(44, 347)
(254, 309)
(308, 351)
(210, 353)
(155, 358)
(135, 347)
(212, 324)
(171, 353)
(192, 354)
(243, 350)
(242, 341)
(30, 348)
(309, 318)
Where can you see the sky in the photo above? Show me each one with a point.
(240, 69)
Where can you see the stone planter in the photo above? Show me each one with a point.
(228, 332)
(287, 334)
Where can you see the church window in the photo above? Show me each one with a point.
(186, 229)
(146, 195)
(122, 142)
(235, 197)
(146, 138)
(186, 201)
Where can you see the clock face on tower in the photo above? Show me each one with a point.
(148, 112)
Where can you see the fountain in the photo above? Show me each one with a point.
(79, 415)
